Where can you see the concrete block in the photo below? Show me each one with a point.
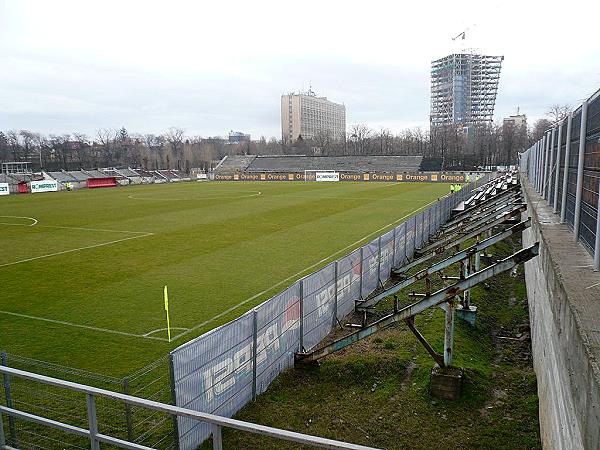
(468, 315)
(446, 382)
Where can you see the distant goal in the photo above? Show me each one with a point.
(321, 175)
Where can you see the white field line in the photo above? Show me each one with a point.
(87, 327)
(327, 258)
(34, 221)
(103, 244)
(162, 329)
(253, 194)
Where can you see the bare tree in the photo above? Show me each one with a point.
(174, 137)
(359, 137)
(557, 113)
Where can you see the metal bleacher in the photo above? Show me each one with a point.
(341, 163)
(94, 173)
(234, 163)
(61, 177)
(79, 175)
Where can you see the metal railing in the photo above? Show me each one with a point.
(96, 437)
(564, 168)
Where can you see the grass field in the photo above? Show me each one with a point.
(82, 273)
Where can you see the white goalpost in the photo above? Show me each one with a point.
(321, 175)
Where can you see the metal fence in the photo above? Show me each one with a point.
(143, 426)
(92, 431)
(564, 167)
(227, 367)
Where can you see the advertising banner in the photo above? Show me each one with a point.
(344, 176)
(370, 265)
(4, 190)
(44, 186)
(318, 297)
(327, 176)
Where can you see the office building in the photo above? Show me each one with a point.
(306, 115)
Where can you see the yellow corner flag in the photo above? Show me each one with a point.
(167, 310)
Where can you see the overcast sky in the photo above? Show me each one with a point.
(211, 67)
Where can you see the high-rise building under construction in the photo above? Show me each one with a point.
(463, 90)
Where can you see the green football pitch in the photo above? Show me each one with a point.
(82, 273)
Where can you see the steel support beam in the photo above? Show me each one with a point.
(505, 213)
(460, 240)
(439, 359)
(466, 253)
(443, 295)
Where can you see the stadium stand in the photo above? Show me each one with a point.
(341, 163)
(120, 178)
(62, 177)
(300, 163)
(432, 164)
(168, 175)
(94, 173)
(79, 175)
(146, 175)
(133, 177)
(234, 163)
(180, 174)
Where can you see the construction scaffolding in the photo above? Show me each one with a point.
(463, 90)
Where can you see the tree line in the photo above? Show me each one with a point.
(491, 145)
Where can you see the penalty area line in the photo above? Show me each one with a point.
(291, 277)
(86, 327)
(103, 244)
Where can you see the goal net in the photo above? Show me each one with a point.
(321, 175)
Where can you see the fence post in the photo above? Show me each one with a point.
(9, 403)
(335, 293)
(559, 139)
(217, 437)
(563, 197)
(92, 421)
(428, 223)
(580, 163)
(414, 235)
(128, 416)
(394, 250)
(597, 240)
(173, 401)
(535, 164)
(405, 233)
(546, 163)
(550, 170)
(302, 313)
(2, 438)
(254, 350)
(360, 284)
(540, 164)
(379, 260)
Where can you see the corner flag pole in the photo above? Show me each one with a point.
(167, 310)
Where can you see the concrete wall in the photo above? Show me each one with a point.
(564, 306)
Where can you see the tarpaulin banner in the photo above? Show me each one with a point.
(388, 177)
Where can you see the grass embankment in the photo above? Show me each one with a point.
(376, 392)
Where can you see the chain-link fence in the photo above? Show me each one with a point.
(564, 167)
(224, 369)
(139, 425)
